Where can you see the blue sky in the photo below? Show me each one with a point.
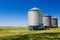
(14, 12)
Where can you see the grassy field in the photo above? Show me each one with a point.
(22, 33)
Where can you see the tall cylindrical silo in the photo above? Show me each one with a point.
(47, 21)
(54, 22)
(35, 19)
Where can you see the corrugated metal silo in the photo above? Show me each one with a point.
(47, 21)
(35, 19)
(54, 22)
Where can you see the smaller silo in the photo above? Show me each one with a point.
(47, 21)
(54, 22)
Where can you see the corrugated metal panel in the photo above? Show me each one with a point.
(33, 18)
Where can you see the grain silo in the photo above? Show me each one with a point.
(54, 22)
(35, 19)
(47, 21)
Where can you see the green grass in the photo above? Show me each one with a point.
(22, 33)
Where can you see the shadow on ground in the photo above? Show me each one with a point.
(39, 36)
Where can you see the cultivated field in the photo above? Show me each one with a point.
(22, 33)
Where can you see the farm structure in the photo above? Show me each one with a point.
(54, 22)
(37, 21)
(47, 21)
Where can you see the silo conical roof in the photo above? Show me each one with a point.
(47, 15)
(35, 8)
(54, 17)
